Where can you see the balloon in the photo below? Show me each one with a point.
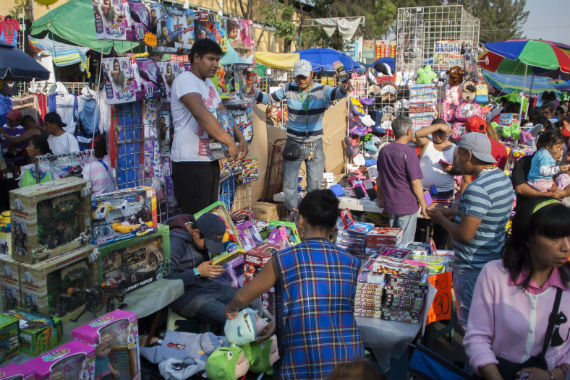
(46, 2)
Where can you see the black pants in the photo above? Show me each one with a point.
(196, 184)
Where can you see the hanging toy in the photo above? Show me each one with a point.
(481, 93)
(425, 75)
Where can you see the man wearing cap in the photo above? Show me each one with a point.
(11, 130)
(477, 225)
(498, 150)
(192, 244)
(306, 104)
(60, 141)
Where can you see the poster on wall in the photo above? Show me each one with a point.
(240, 41)
(150, 78)
(210, 25)
(173, 27)
(385, 48)
(169, 71)
(368, 49)
(120, 80)
(112, 19)
(447, 53)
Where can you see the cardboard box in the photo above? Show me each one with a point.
(9, 282)
(42, 285)
(384, 237)
(123, 214)
(73, 360)
(265, 211)
(135, 262)
(118, 329)
(38, 332)
(16, 372)
(256, 259)
(8, 337)
(49, 219)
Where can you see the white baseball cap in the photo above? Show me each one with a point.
(302, 68)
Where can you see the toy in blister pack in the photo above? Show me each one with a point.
(148, 75)
(123, 214)
(240, 41)
(278, 237)
(73, 360)
(291, 233)
(173, 26)
(38, 332)
(231, 239)
(233, 275)
(346, 217)
(249, 235)
(210, 25)
(116, 341)
(168, 71)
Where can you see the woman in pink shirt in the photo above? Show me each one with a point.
(514, 298)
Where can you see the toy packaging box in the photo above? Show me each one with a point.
(384, 237)
(44, 286)
(9, 282)
(71, 361)
(135, 262)
(50, 218)
(16, 371)
(255, 260)
(5, 236)
(233, 275)
(121, 215)
(231, 239)
(293, 237)
(116, 341)
(38, 332)
(8, 337)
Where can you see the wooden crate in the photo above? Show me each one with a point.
(49, 219)
(9, 282)
(43, 283)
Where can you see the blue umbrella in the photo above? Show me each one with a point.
(324, 58)
(17, 65)
(388, 61)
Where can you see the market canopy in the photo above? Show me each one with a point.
(284, 61)
(509, 83)
(62, 54)
(17, 65)
(73, 22)
(323, 59)
(543, 54)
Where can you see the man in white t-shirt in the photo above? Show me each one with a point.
(60, 141)
(194, 101)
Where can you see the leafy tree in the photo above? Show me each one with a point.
(500, 19)
(280, 17)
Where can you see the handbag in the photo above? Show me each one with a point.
(509, 369)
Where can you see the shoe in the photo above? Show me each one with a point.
(367, 121)
(367, 101)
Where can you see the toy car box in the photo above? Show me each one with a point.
(231, 239)
(38, 332)
(73, 360)
(256, 259)
(384, 237)
(16, 371)
(8, 337)
(118, 329)
(50, 218)
(135, 262)
(9, 282)
(123, 214)
(43, 285)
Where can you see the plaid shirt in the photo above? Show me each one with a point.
(315, 297)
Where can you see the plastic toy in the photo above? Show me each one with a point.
(227, 363)
(38, 332)
(244, 328)
(115, 339)
(72, 360)
(481, 93)
(261, 356)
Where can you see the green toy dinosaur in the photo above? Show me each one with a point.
(227, 363)
(261, 356)
(425, 75)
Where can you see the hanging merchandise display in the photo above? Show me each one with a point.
(240, 42)
(173, 27)
(120, 79)
(150, 79)
(121, 20)
(169, 71)
(210, 25)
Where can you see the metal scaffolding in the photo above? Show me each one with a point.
(434, 35)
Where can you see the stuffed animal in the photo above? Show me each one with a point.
(481, 93)
(455, 74)
(467, 109)
(425, 75)
(227, 363)
(244, 328)
(262, 355)
(452, 96)
(468, 92)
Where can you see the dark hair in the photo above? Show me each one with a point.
(356, 370)
(549, 137)
(100, 146)
(40, 143)
(551, 221)
(438, 120)
(320, 208)
(28, 120)
(203, 47)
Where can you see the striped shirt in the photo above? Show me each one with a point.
(489, 198)
(305, 109)
(316, 329)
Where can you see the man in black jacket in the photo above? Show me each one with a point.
(192, 243)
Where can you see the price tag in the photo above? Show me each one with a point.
(441, 306)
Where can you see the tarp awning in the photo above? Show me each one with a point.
(62, 54)
(73, 22)
(277, 60)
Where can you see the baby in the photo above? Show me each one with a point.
(544, 165)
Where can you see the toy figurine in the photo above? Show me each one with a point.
(103, 368)
(262, 355)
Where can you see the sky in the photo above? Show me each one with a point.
(548, 20)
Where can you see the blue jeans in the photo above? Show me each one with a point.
(314, 157)
(407, 223)
(464, 280)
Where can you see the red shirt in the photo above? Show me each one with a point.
(499, 153)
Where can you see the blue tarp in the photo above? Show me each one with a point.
(322, 59)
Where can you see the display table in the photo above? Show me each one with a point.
(345, 202)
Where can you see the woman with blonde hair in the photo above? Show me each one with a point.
(271, 117)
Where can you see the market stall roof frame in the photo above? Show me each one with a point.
(74, 23)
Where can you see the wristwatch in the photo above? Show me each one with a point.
(196, 273)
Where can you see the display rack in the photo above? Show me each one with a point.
(425, 33)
